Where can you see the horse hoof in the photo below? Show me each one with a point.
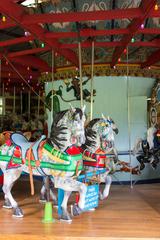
(17, 212)
(42, 199)
(7, 204)
(66, 220)
(91, 210)
(75, 210)
(55, 205)
(101, 197)
(65, 216)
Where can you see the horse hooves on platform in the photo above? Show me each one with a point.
(7, 204)
(42, 200)
(66, 220)
(75, 210)
(17, 212)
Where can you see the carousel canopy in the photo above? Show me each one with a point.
(123, 31)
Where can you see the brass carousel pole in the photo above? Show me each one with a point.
(14, 99)
(129, 122)
(80, 72)
(92, 78)
(1, 93)
(52, 86)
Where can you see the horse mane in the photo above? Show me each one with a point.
(90, 134)
(57, 130)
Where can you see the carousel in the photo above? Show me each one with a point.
(79, 119)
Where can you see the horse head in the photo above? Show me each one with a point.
(68, 128)
(100, 134)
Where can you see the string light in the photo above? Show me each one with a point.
(156, 7)
(27, 33)
(125, 51)
(3, 19)
(119, 59)
(28, 68)
(114, 67)
(132, 40)
(6, 63)
(142, 26)
(30, 77)
(9, 74)
(42, 45)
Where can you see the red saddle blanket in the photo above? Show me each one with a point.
(96, 159)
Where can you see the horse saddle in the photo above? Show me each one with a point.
(21, 141)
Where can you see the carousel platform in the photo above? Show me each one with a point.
(126, 214)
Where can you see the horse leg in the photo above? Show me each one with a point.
(43, 197)
(9, 178)
(65, 216)
(42, 194)
(69, 185)
(108, 180)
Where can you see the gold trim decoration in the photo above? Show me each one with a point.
(134, 70)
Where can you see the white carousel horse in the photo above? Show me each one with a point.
(148, 150)
(46, 159)
(100, 143)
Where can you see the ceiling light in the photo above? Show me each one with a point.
(156, 7)
(3, 19)
(31, 2)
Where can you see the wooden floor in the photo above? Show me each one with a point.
(126, 214)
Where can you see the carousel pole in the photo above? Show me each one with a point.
(52, 86)
(3, 96)
(14, 99)
(21, 101)
(29, 104)
(38, 102)
(1, 92)
(92, 78)
(80, 73)
(129, 122)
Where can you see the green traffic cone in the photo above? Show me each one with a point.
(48, 213)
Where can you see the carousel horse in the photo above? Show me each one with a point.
(99, 152)
(100, 143)
(148, 150)
(57, 157)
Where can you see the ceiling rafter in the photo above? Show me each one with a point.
(86, 44)
(152, 59)
(31, 61)
(17, 13)
(28, 52)
(79, 16)
(83, 33)
(9, 69)
(87, 16)
(155, 43)
(146, 6)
